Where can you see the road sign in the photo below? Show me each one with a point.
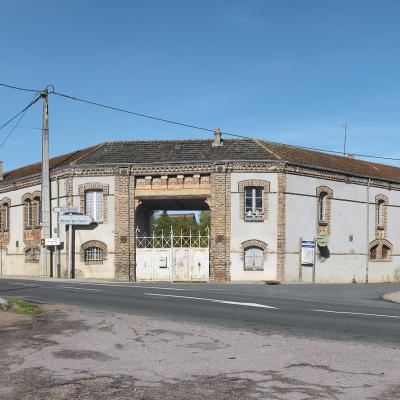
(307, 252)
(75, 219)
(323, 238)
(65, 210)
(52, 241)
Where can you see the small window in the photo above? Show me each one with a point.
(94, 204)
(253, 202)
(322, 200)
(32, 255)
(380, 214)
(253, 259)
(94, 255)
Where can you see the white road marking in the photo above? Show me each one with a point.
(146, 287)
(79, 288)
(236, 303)
(358, 313)
(24, 284)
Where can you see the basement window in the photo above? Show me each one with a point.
(253, 259)
(94, 255)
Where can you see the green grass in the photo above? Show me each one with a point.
(21, 306)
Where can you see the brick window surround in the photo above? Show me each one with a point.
(93, 243)
(94, 186)
(254, 183)
(31, 230)
(327, 199)
(381, 204)
(380, 250)
(5, 204)
(253, 243)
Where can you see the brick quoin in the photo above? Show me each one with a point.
(220, 225)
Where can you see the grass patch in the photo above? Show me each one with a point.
(21, 306)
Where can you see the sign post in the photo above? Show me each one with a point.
(71, 220)
(307, 257)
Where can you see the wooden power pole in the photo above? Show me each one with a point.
(45, 189)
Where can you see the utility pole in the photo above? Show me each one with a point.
(45, 189)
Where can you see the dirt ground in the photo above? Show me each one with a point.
(69, 353)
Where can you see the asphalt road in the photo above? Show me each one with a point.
(340, 312)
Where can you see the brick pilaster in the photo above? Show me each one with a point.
(124, 215)
(281, 228)
(220, 225)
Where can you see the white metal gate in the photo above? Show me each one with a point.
(173, 257)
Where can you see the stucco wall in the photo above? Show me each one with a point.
(243, 230)
(348, 217)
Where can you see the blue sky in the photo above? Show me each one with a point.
(283, 70)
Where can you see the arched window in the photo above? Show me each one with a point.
(37, 211)
(322, 205)
(253, 258)
(380, 250)
(4, 217)
(32, 255)
(29, 213)
(381, 203)
(93, 255)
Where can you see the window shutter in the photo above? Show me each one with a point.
(90, 203)
(99, 206)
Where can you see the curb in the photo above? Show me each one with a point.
(394, 297)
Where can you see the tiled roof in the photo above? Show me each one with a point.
(178, 151)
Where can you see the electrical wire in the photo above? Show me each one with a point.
(109, 107)
(36, 98)
(19, 88)
(21, 115)
(131, 112)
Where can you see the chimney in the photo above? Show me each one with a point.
(351, 156)
(217, 138)
(1, 170)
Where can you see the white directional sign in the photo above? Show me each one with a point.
(52, 241)
(75, 219)
(66, 210)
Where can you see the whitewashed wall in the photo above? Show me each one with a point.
(14, 262)
(348, 217)
(242, 230)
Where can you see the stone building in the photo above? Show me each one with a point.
(263, 198)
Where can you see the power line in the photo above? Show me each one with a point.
(21, 115)
(109, 107)
(19, 88)
(131, 112)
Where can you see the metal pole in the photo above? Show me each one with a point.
(69, 272)
(367, 235)
(57, 248)
(300, 266)
(315, 259)
(345, 139)
(45, 189)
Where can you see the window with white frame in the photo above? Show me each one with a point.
(94, 204)
(253, 202)
(94, 255)
(253, 259)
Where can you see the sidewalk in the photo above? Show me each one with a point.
(392, 296)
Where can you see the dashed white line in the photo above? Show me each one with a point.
(147, 287)
(358, 313)
(24, 284)
(236, 303)
(78, 288)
